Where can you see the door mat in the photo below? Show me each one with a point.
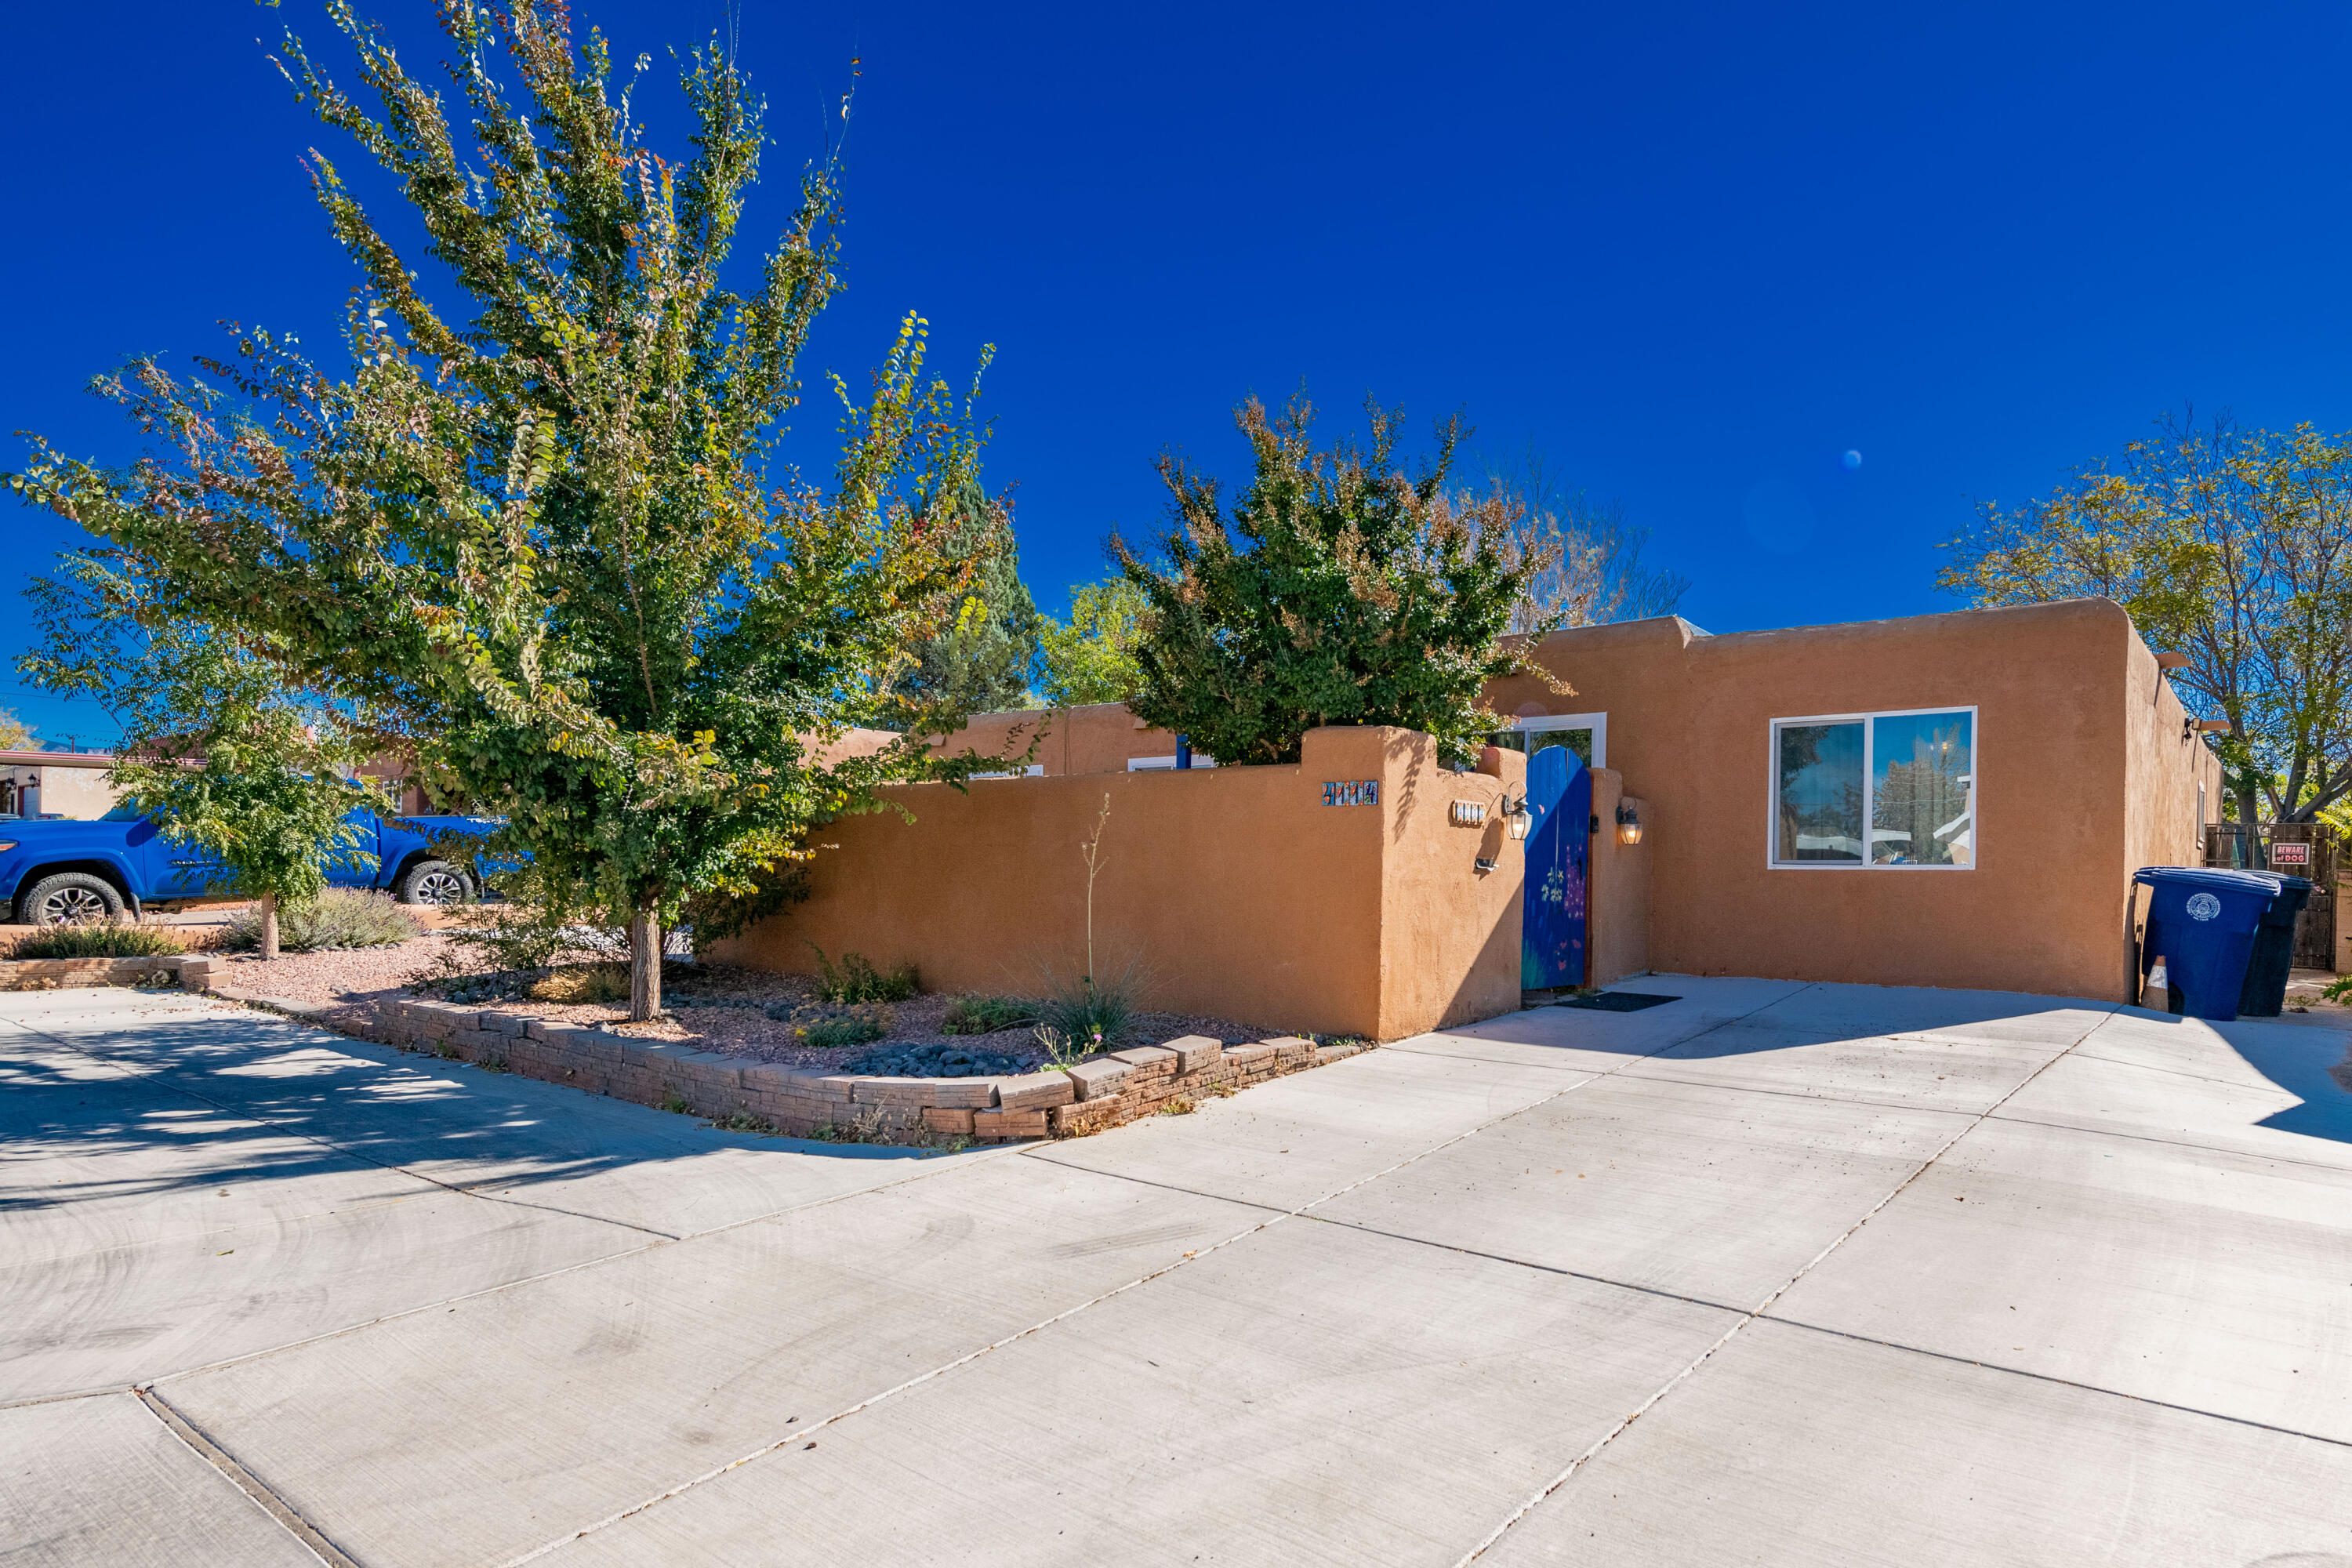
(1615, 1001)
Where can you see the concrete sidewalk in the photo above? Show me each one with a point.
(1772, 1273)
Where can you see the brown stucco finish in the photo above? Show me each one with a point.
(2081, 778)
(1236, 889)
(1618, 930)
(1099, 737)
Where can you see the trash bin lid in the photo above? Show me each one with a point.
(2265, 883)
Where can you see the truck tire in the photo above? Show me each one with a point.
(69, 898)
(435, 882)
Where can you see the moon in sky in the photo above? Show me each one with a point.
(1852, 461)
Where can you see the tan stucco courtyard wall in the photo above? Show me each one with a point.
(1237, 890)
(2081, 777)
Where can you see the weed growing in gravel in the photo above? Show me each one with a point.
(744, 1121)
(1061, 1055)
(1179, 1106)
(987, 1014)
(856, 980)
(97, 941)
(851, 1029)
(676, 1106)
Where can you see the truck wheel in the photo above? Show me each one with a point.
(71, 897)
(435, 882)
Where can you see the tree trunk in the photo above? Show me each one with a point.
(2248, 807)
(268, 925)
(645, 966)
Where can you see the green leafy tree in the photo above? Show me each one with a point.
(1090, 657)
(14, 732)
(979, 662)
(1337, 590)
(543, 542)
(2230, 546)
(214, 752)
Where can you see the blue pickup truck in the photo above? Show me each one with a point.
(53, 870)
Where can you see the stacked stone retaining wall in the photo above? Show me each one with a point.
(1101, 1091)
(69, 974)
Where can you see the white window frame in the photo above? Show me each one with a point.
(1598, 723)
(1773, 862)
(1154, 765)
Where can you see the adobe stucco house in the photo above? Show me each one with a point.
(1951, 800)
(56, 784)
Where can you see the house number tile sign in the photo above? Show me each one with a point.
(1352, 791)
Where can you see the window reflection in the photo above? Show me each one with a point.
(1820, 805)
(1922, 777)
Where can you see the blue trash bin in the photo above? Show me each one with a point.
(2202, 924)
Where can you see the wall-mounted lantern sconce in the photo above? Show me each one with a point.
(1629, 825)
(1517, 816)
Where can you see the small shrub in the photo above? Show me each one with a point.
(2336, 989)
(583, 982)
(857, 979)
(97, 941)
(1093, 1014)
(987, 1015)
(337, 918)
(675, 1105)
(744, 1121)
(852, 1030)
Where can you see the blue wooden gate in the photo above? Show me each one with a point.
(1559, 862)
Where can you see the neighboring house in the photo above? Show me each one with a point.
(56, 784)
(1950, 800)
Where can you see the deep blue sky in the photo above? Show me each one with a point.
(1694, 255)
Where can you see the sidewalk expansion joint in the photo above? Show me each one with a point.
(1757, 1313)
(802, 1433)
(245, 1481)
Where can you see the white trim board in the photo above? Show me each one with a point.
(1596, 722)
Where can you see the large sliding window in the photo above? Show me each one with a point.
(1875, 789)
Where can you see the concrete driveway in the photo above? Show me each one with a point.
(1769, 1274)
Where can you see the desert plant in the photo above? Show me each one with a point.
(520, 934)
(856, 980)
(851, 1029)
(987, 1014)
(1092, 1013)
(337, 918)
(97, 941)
(584, 983)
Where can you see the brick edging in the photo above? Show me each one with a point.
(1101, 1091)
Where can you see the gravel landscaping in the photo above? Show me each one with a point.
(718, 1008)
